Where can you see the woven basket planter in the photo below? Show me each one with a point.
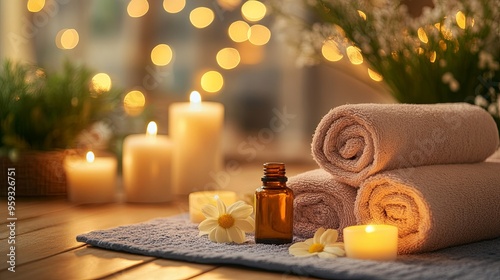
(37, 173)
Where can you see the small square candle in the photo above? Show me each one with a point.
(371, 242)
(91, 179)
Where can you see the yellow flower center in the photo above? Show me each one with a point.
(226, 221)
(316, 248)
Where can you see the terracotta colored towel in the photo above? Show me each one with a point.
(320, 201)
(353, 142)
(434, 206)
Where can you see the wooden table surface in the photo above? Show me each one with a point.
(46, 246)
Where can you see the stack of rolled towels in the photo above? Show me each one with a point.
(421, 168)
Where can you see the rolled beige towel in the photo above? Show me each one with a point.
(434, 206)
(321, 201)
(353, 142)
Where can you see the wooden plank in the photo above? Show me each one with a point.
(83, 263)
(163, 269)
(27, 208)
(50, 237)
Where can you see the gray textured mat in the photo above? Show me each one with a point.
(176, 238)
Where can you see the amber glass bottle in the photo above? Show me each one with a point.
(274, 207)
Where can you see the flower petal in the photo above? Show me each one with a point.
(246, 225)
(299, 245)
(309, 241)
(211, 235)
(240, 210)
(329, 236)
(325, 255)
(221, 235)
(336, 250)
(221, 207)
(210, 211)
(317, 235)
(236, 235)
(207, 225)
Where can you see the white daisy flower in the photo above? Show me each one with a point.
(227, 225)
(324, 244)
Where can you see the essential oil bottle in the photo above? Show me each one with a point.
(274, 207)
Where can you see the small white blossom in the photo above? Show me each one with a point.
(324, 244)
(227, 225)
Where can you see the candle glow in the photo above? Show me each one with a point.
(371, 242)
(152, 129)
(147, 166)
(90, 157)
(195, 97)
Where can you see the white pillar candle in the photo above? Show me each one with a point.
(371, 242)
(196, 131)
(198, 199)
(91, 180)
(147, 166)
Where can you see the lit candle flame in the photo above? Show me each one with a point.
(90, 156)
(195, 97)
(152, 129)
(369, 228)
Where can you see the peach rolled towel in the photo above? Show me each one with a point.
(353, 142)
(434, 206)
(320, 201)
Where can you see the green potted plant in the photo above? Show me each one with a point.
(41, 116)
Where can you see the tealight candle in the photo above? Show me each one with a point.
(371, 242)
(91, 180)
(147, 166)
(198, 199)
(196, 132)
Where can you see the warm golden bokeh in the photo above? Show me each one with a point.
(259, 34)
(330, 51)
(354, 55)
(201, 17)
(35, 6)
(174, 6)
(101, 82)
(212, 81)
(422, 35)
(161, 55)
(253, 10)
(461, 19)
(228, 58)
(229, 4)
(375, 76)
(67, 39)
(133, 103)
(137, 8)
(238, 31)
